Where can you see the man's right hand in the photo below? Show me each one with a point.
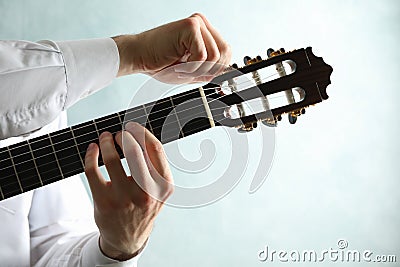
(192, 39)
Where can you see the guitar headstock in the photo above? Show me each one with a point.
(298, 77)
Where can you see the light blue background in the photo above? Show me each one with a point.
(335, 173)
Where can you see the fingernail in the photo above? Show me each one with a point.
(91, 146)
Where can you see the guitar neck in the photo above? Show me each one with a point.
(49, 158)
(53, 157)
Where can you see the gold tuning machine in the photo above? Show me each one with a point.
(292, 116)
(272, 122)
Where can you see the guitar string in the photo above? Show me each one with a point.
(108, 126)
(139, 108)
(74, 146)
(48, 170)
(135, 109)
(164, 133)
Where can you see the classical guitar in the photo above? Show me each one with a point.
(49, 158)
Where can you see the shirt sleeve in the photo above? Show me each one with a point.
(39, 80)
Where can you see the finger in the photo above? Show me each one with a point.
(223, 46)
(136, 161)
(95, 179)
(202, 48)
(112, 160)
(161, 186)
(153, 148)
(193, 42)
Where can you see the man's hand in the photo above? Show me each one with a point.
(124, 208)
(192, 39)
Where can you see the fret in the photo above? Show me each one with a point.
(162, 120)
(8, 179)
(2, 195)
(120, 117)
(45, 159)
(191, 113)
(77, 149)
(66, 152)
(177, 118)
(111, 123)
(97, 130)
(147, 124)
(55, 155)
(34, 162)
(136, 114)
(85, 134)
(24, 166)
(15, 170)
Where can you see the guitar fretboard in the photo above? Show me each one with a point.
(49, 158)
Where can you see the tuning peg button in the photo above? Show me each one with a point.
(246, 60)
(292, 118)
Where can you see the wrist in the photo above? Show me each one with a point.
(129, 54)
(116, 254)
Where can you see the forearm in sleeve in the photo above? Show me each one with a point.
(39, 80)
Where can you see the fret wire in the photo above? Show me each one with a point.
(119, 117)
(15, 169)
(176, 115)
(173, 138)
(147, 117)
(77, 148)
(183, 111)
(55, 155)
(97, 130)
(1, 191)
(213, 88)
(95, 140)
(34, 162)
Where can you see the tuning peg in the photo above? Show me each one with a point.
(234, 66)
(248, 127)
(292, 118)
(270, 123)
(246, 60)
(259, 58)
(303, 111)
(269, 52)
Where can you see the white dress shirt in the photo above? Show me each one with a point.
(53, 225)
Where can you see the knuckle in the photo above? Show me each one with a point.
(226, 49)
(192, 23)
(214, 56)
(146, 200)
(197, 14)
(169, 190)
(156, 147)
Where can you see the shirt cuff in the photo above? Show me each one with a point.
(90, 65)
(92, 256)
